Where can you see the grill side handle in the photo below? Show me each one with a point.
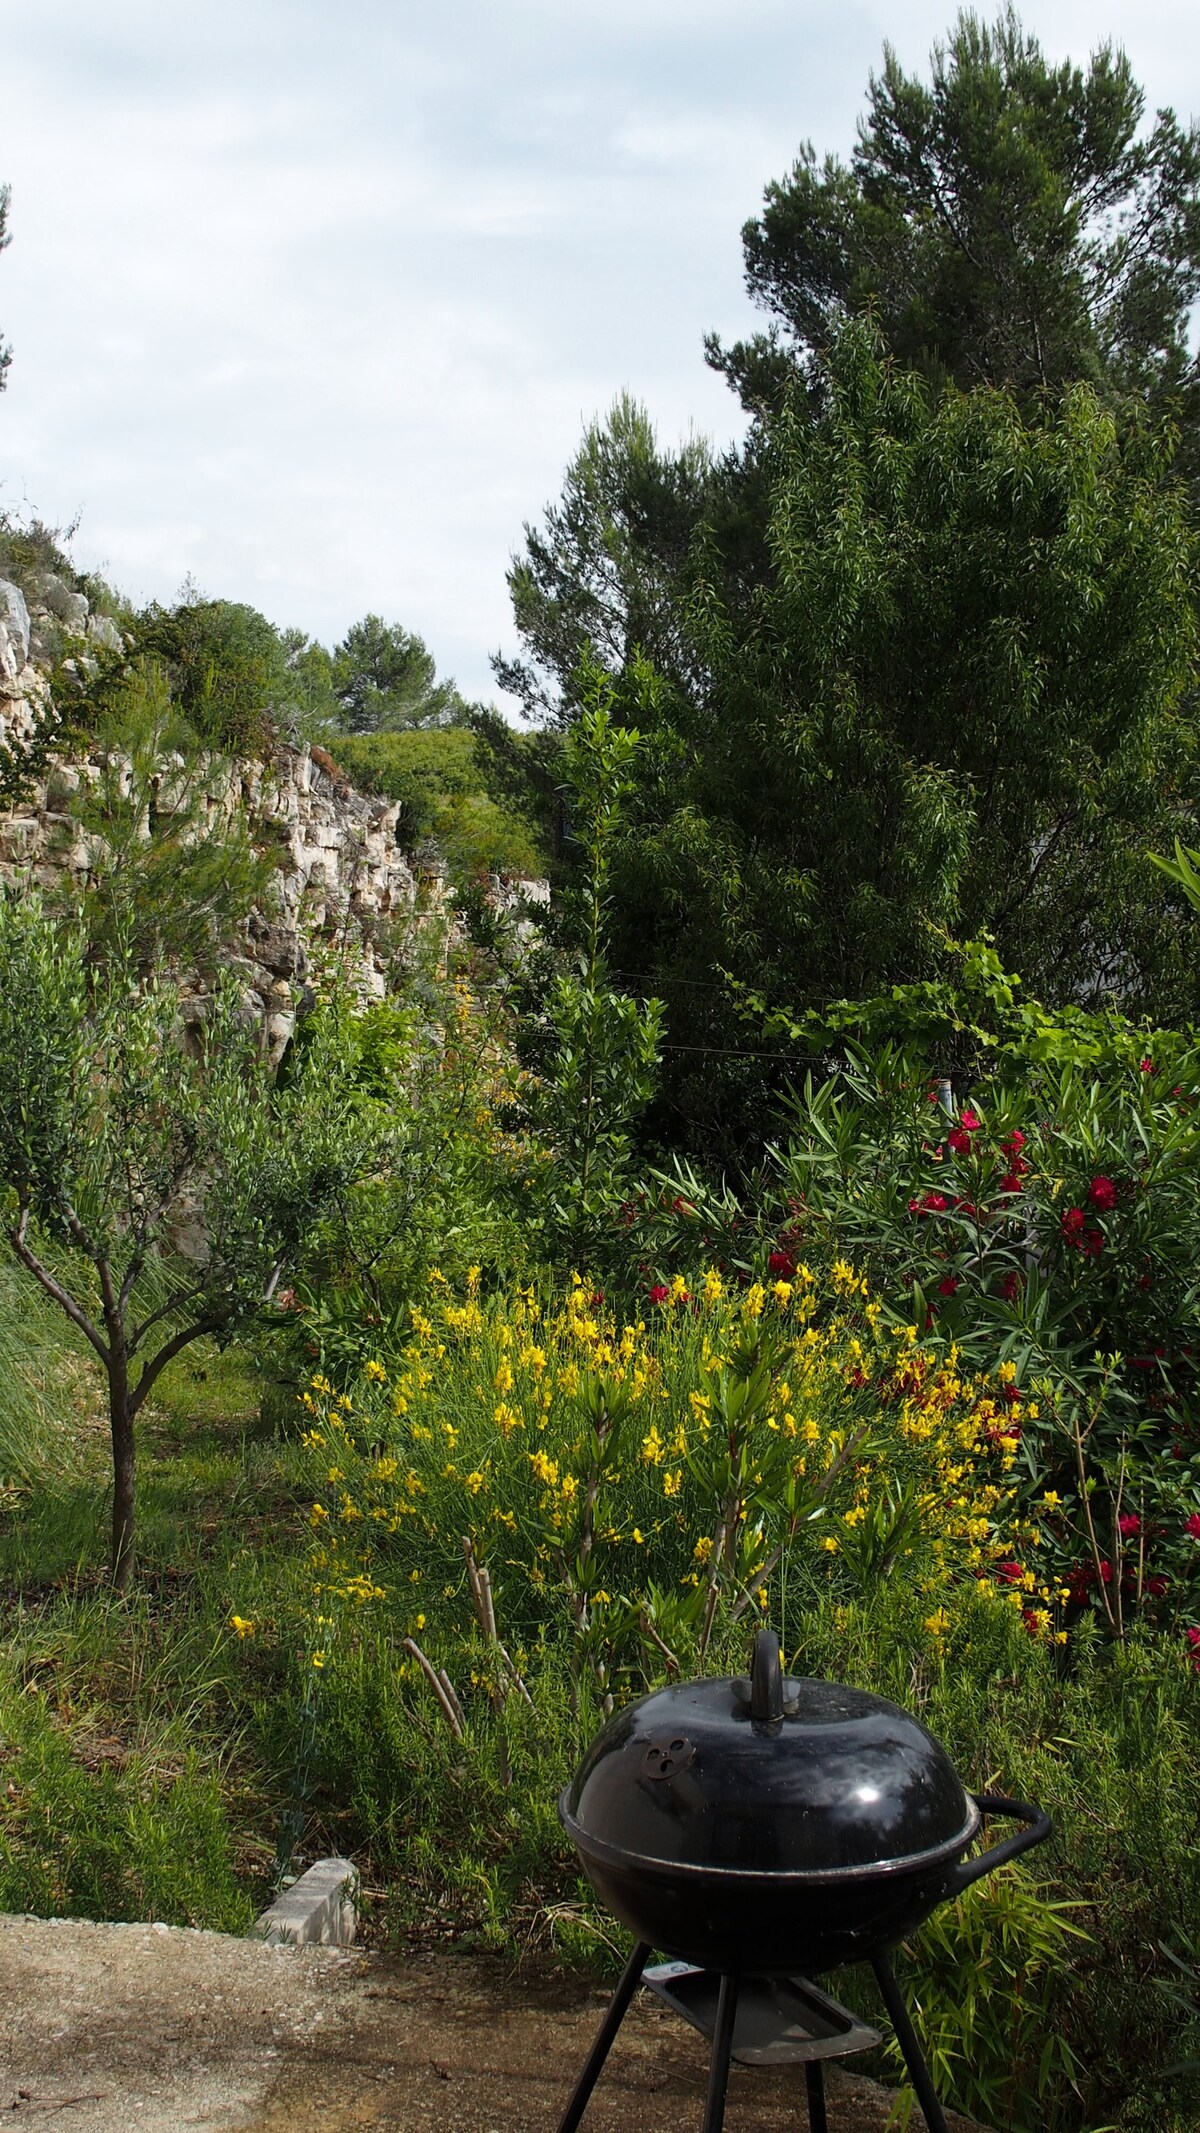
(1037, 1829)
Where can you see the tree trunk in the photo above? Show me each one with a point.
(121, 1423)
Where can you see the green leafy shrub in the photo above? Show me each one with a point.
(228, 667)
(436, 775)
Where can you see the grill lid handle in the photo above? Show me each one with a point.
(1037, 1828)
(766, 1680)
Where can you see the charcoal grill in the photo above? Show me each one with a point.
(768, 1828)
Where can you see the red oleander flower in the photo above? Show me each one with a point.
(929, 1203)
(948, 1287)
(1010, 1573)
(1072, 1224)
(960, 1140)
(969, 1122)
(1106, 1572)
(659, 1293)
(1103, 1194)
(1014, 1144)
(1156, 1587)
(1014, 1182)
(1146, 1066)
(1079, 1582)
(1093, 1244)
(1192, 1525)
(1129, 1524)
(1193, 1637)
(1012, 1394)
(783, 1264)
(1011, 1286)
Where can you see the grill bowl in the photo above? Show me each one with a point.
(772, 1825)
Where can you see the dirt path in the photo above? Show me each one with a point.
(107, 2028)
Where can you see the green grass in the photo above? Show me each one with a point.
(144, 1764)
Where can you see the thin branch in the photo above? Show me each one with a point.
(28, 1258)
(153, 1369)
(648, 1630)
(411, 1646)
(173, 1304)
(451, 1694)
(80, 1234)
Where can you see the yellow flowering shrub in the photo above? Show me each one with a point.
(644, 1485)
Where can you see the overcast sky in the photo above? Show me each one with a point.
(310, 302)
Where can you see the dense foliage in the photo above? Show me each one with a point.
(439, 777)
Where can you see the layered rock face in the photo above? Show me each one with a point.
(342, 880)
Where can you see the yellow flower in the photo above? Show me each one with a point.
(318, 1659)
(243, 1628)
(938, 1623)
(376, 1372)
(782, 1291)
(503, 1380)
(712, 1287)
(755, 1298)
(672, 1482)
(830, 1544)
(638, 1535)
(475, 1482)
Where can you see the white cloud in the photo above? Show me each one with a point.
(314, 305)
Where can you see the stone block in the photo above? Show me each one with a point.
(319, 1908)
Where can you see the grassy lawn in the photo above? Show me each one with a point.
(145, 1763)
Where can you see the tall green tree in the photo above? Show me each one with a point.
(599, 578)
(385, 679)
(959, 698)
(1010, 222)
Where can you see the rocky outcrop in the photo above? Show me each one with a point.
(341, 881)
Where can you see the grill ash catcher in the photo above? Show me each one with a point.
(762, 1830)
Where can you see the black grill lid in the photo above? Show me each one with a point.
(769, 1775)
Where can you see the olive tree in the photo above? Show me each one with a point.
(157, 1190)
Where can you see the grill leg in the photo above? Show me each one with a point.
(631, 1978)
(906, 2038)
(718, 2065)
(814, 2082)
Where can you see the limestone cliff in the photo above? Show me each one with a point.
(341, 877)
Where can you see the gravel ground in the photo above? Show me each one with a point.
(104, 2028)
